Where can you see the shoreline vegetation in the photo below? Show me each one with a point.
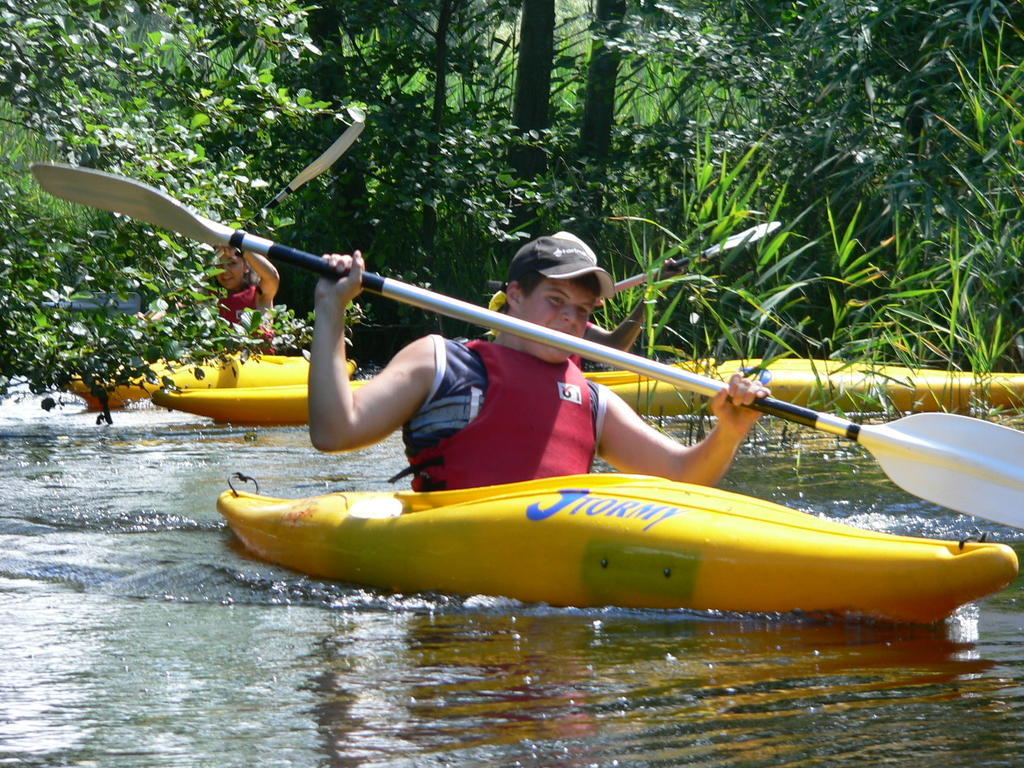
(893, 159)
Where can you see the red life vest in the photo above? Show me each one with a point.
(233, 304)
(537, 421)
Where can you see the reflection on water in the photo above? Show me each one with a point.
(493, 688)
(136, 632)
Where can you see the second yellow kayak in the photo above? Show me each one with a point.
(287, 405)
(831, 385)
(821, 384)
(229, 372)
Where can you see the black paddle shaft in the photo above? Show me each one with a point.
(376, 284)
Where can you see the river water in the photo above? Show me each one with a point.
(135, 632)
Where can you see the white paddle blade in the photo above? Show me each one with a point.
(966, 464)
(751, 235)
(333, 152)
(355, 114)
(131, 198)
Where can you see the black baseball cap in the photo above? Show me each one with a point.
(561, 256)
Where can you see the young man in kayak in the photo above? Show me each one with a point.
(511, 409)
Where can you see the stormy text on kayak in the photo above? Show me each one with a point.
(582, 502)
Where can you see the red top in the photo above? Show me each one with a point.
(233, 304)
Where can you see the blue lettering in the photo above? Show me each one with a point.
(597, 507)
(647, 511)
(573, 501)
(536, 512)
(623, 509)
(583, 502)
(666, 514)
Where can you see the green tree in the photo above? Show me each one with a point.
(123, 89)
(887, 136)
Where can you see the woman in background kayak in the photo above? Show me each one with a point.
(489, 412)
(251, 282)
(250, 279)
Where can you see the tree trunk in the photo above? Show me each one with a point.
(530, 110)
(446, 10)
(599, 106)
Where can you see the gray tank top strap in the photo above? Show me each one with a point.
(455, 399)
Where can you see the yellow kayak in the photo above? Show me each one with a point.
(821, 384)
(617, 540)
(831, 385)
(227, 373)
(249, 405)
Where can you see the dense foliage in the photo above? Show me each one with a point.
(887, 137)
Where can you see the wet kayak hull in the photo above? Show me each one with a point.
(617, 540)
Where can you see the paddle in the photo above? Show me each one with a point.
(958, 462)
(325, 161)
(95, 302)
(111, 303)
(674, 266)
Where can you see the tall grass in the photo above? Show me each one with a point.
(945, 289)
(964, 284)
